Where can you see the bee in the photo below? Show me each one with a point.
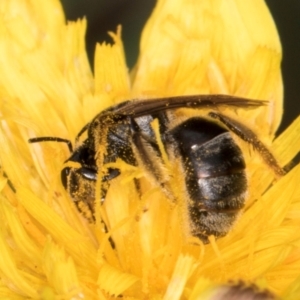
(212, 164)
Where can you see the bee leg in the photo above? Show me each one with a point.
(92, 219)
(86, 210)
(104, 190)
(249, 136)
(9, 183)
(149, 157)
(138, 187)
(111, 241)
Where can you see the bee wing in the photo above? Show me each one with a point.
(140, 107)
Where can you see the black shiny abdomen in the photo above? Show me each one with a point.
(215, 175)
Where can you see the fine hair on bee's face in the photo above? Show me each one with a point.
(212, 163)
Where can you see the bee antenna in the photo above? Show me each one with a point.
(52, 139)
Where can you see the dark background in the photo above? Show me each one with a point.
(105, 15)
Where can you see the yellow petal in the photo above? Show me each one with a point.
(48, 249)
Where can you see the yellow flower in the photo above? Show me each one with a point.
(48, 249)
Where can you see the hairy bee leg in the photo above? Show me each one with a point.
(105, 187)
(144, 155)
(150, 165)
(149, 156)
(250, 137)
(92, 219)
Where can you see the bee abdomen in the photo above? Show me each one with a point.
(219, 180)
(215, 175)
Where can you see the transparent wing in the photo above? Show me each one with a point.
(137, 108)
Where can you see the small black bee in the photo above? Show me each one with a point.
(213, 164)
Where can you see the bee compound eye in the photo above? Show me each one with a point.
(65, 172)
(88, 173)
